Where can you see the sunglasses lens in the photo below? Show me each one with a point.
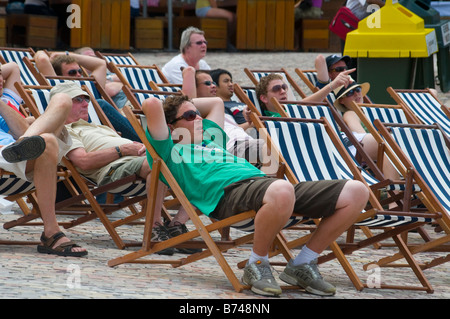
(278, 87)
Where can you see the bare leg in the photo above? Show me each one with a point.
(348, 208)
(278, 204)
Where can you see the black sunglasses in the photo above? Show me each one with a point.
(209, 83)
(353, 91)
(188, 116)
(339, 69)
(278, 87)
(73, 72)
(201, 42)
(81, 99)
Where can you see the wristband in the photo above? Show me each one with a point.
(118, 151)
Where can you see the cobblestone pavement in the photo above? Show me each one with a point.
(24, 273)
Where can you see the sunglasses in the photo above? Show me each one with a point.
(209, 83)
(188, 116)
(353, 91)
(81, 99)
(201, 42)
(339, 69)
(277, 88)
(73, 72)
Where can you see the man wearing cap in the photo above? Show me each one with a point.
(102, 155)
(32, 152)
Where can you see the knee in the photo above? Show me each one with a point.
(51, 146)
(281, 194)
(356, 194)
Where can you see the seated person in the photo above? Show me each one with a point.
(356, 92)
(68, 64)
(193, 47)
(228, 183)
(32, 152)
(100, 154)
(272, 86)
(10, 74)
(240, 143)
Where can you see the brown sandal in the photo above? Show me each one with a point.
(64, 249)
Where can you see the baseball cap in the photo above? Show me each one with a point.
(70, 88)
(334, 58)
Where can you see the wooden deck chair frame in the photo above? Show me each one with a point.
(306, 76)
(84, 190)
(15, 189)
(167, 87)
(433, 203)
(391, 232)
(283, 72)
(136, 103)
(431, 110)
(86, 80)
(118, 58)
(214, 248)
(115, 68)
(405, 167)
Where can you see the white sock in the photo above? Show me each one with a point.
(255, 257)
(305, 256)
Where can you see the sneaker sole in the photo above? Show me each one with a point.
(269, 292)
(26, 149)
(293, 281)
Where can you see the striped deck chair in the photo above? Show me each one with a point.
(309, 77)
(138, 77)
(118, 58)
(27, 76)
(424, 149)
(256, 75)
(247, 95)
(424, 105)
(132, 188)
(306, 146)
(201, 231)
(165, 87)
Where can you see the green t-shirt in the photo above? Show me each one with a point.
(203, 170)
(272, 114)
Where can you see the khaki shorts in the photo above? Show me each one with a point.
(313, 199)
(122, 170)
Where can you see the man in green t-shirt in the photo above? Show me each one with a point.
(231, 185)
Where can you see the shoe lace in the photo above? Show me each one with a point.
(160, 232)
(309, 272)
(261, 271)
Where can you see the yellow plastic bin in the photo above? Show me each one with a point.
(387, 45)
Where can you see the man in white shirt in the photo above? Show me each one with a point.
(193, 47)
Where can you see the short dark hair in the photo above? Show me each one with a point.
(59, 60)
(171, 105)
(215, 74)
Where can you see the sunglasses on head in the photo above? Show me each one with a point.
(209, 83)
(278, 87)
(339, 69)
(74, 72)
(188, 116)
(81, 99)
(353, 91)
(201, 42)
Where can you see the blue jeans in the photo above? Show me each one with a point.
(120, 122)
